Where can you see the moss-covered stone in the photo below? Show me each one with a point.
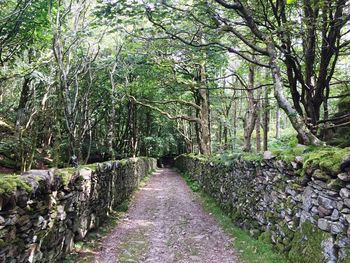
(344, 255)
(336, 184)
(9, 183)
(306, 245)
(251, 157)
(66, 174)
(266, 237)
(288, 155)
(326, 158)
(123, 162)
(321, 175)
(91, 166)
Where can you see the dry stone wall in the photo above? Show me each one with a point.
(305, 216)
(43, 215)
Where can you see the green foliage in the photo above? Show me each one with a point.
(123, 207)
(9, 151)
(193, 183)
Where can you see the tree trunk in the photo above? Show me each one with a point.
(266, 118)
(258, 122)
(134, 140)
(203, 129)
(305, 136)
(234, 139)
(110, 134)
(278, 122)
(251, 115)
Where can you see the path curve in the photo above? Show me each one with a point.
(166, 223)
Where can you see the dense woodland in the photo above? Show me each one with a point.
(89, 80)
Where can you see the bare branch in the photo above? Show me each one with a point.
(166, 114)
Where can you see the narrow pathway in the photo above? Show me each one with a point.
(166, 223)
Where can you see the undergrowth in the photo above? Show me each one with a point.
(250, 249)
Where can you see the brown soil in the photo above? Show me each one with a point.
(166, 223)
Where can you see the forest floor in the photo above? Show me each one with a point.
(167, 223)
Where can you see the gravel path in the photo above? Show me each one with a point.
(166, 223)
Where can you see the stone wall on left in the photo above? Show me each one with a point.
(43, 212)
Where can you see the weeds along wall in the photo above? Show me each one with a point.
(303, 210)
(43, 212)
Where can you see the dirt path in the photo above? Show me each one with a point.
(166, 223)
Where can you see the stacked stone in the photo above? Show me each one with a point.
(274, 202)
(42, 225)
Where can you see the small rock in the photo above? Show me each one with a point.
(343, 242)
(340, 205)
(347, 217)
(336, 228)
(323, 224)
(347, 202)
(268, 155)
(326, 202)
(345, 211)
(299, 159)
(320, 175)
(344, 193)
(345, 165)
(314, 210)
(294, 165)
(307, 198)
(329, 250)
(323, 211)
(335, 215)
(61, 213)
(344, 177)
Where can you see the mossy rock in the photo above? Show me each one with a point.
(266, 237)
(66, 174)
(306, 245)
(289, 154)
(252, 157)
(321, 175)
(326, 158)
(91, 166)
(123, 162)
(336, 184)
(344, 255)
(10, 183)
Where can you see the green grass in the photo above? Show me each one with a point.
(250, 249)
